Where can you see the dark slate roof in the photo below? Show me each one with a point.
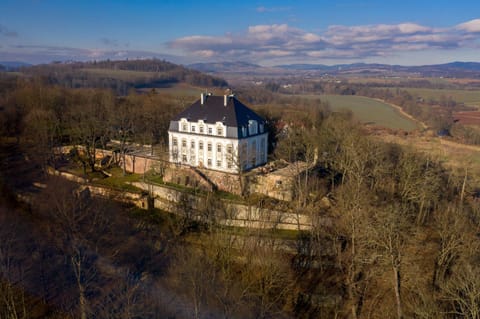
(235, 114)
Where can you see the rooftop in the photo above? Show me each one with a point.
(226, 109)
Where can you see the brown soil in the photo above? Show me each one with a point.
(467, 117)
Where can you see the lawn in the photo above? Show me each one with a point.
(119, 181)
(370, 111)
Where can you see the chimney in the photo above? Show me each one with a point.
(202, 99)
(225, 100)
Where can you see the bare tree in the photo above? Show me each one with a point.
(77, 223)
(88, 124)
(390, 231)
(12, 297)
(121, 124)
(462, 292)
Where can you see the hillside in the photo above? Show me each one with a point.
(448, 70)
(122, 76)
(454, 69)
(12, 65)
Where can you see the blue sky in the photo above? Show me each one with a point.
(264, 32)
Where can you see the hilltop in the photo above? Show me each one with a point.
(450, 70)
(121, 75)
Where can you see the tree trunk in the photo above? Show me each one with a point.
(82, 301)
(396, 282)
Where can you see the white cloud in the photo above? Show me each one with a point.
(470, 26)
(408, 28)
(263, 42)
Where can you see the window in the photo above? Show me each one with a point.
(229, 149)
(184, 158)
(252, 127)
(262, 150)
(244, 150)
(209, 147)
(209, 162)
(243, 156)
(253, 153)
(244, 131)
(219, 130)
(174, 141)
(210, 131)
(201, 129)
(200, 145)
(229, 163)
(184, 143)
(192, 144)
(219, 148)
(184, 127)
(219, 163)
(193, 128)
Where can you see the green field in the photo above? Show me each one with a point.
(121, 74)
(182, 90)
(469, 97)
(370, 111)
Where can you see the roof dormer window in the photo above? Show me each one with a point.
(184, 127)
(252, 127)
(244, 131)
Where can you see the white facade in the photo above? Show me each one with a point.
(201, 144)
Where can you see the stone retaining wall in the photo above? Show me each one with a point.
(234, 214)
(173, 201)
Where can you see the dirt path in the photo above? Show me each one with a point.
(403, 113)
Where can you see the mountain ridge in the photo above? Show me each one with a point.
(451, 69)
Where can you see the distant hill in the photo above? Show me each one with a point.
(122, 75)
(232, 70)
(221, 67)
(12, 65)
(454, 69)
(239, 72)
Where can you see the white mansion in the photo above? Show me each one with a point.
(220, 133)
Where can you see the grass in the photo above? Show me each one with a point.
(122, 74)
(78, 171)
(119, 181)
(369, 111)
(456, 157)
(182, 90)
(469, 97)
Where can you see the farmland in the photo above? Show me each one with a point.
(125, 75)
(369, 111)
(467, 118)
(469, 97)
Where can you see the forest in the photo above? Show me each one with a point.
(395, 234)
(120, 76)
